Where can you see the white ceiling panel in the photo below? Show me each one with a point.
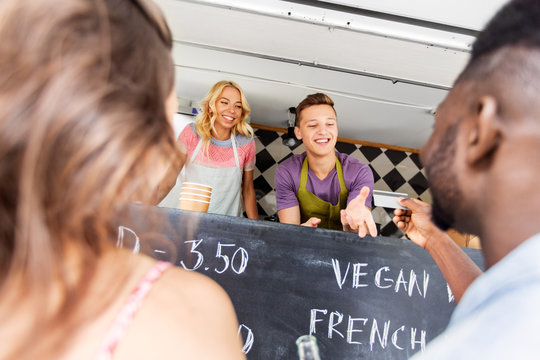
(313, 43)
(462, 13)
(386, 78)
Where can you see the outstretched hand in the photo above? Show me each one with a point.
(415, 222)
(357, 216)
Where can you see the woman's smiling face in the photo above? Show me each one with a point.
(229, 109)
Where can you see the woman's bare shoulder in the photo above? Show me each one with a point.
(186, 315)
(192, 287)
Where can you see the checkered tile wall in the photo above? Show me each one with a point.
(395, 171)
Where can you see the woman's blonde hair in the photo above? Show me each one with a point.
(204, 124)
(83, 131)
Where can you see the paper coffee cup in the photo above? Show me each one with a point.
(195, 197)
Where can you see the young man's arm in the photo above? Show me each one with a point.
(292, 216)
(289, 215)
(286, 200)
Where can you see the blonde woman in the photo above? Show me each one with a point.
(86, 101)
(221, 150)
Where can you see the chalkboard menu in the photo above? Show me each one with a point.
(376, 298)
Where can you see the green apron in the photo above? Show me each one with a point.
(312, 206)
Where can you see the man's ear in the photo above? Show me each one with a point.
(298, 133)
(485, 132)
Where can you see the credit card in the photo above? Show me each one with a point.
(388, 199)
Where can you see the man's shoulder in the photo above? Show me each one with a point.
(293, 162)
(290, 168)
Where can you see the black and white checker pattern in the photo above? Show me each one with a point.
(395, 171)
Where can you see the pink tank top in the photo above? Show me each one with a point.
(128, 311)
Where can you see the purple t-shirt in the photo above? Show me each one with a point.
(287, 181)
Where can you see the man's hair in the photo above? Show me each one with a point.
(515, 24)
(310, 100)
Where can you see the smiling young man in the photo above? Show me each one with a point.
(322, 187)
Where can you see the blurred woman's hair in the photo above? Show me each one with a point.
(83, 130)
(204, 124)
